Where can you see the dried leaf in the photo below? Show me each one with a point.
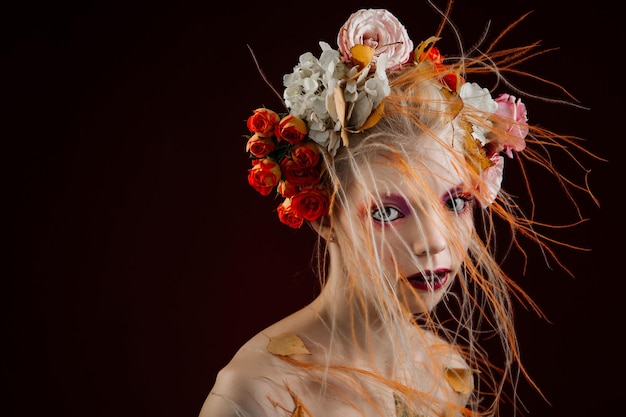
(455, 101)
(423, 46)
(345, 137)
(374, 117)
(340, 107)
(340, 104)
(460, 379)
(401, 408)
(298, 412)
(287, 344)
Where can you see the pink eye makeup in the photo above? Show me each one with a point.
(458, 200)
(394, 207)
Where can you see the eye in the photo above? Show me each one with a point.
(459, 203)
(386, 214)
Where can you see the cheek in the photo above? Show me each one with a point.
(464, 236)
(395, 257)
(467, 230)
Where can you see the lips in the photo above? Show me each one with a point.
(429, 280)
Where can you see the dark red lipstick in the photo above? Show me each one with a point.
(429, 280)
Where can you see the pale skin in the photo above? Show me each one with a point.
(260, 383)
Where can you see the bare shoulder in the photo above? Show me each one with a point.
(254, 383)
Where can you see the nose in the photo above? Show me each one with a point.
(429, 235)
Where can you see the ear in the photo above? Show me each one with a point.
(322, 227)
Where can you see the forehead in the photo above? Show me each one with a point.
(433, 168)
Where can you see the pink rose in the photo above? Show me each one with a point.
(491, 181)
(511, 124)
(380, 30)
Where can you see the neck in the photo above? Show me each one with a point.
(355, 324)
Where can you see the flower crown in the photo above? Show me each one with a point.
(342, 92)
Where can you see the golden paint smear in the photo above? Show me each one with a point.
(287, 344)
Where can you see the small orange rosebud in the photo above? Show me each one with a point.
(299, 175)
(306, 154)
(263, 122)
(292, 129)
(310, 203)
(286, 189)
(288, 216)
(259, 146)
(264, 175)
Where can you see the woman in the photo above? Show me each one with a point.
(396, 162)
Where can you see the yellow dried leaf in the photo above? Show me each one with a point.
(460, 380)
(456, 103)
(373, 118)
(287, 344)
(340, 107)
(423, 46)
(361, 55)
(298, 412)
(340, 104)
(345, 137)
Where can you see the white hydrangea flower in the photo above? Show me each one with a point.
(307, 88)
(478, 104)
(310, 89)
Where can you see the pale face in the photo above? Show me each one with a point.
(421, 224)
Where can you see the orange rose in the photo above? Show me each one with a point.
(299, 175)
(310, 203)
(259, 146)
(431, 54)
(287, 216)
(264, 175)
(292, 129)
(263, 122)
(306, 154)
(286, 189)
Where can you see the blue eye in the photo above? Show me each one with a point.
(387, 214)
(459, 204)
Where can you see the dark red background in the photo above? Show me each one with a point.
(140, 259)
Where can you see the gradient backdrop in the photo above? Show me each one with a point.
(140, 259)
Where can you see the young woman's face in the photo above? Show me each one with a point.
(421, 221)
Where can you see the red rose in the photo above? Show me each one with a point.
(259, 146)
(306, 154)
(452, 80)
(298, 175)
(263, 122)
(264, 175)
(287, 216)
(292, 129)
(310, 203)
